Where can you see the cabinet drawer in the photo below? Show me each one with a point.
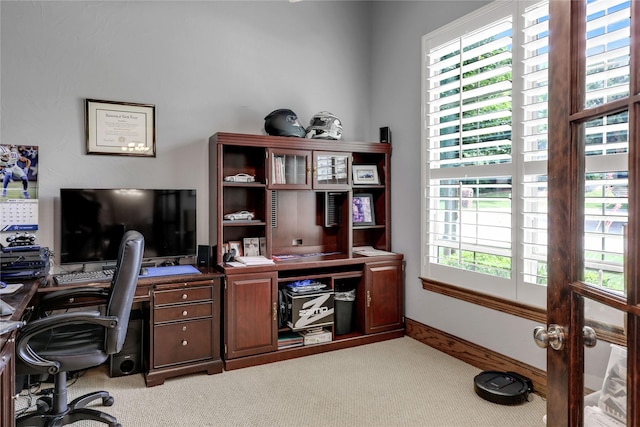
(182, 342)
(182, 312)
(175, 296)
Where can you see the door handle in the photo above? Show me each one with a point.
(590, 337)
(553, 337)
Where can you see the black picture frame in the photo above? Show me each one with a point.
(120, 128)
(362, 208)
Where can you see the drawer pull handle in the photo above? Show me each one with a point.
(184, 313)
(184, 296)
(184, 328)
(184, 342)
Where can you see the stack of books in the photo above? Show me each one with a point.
(289, 340)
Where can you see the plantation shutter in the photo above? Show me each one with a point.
(469, 155)
(534, 135)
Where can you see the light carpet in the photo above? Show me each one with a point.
(399, 382)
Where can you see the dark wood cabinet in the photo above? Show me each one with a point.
(250, 321)
(184, 329)
(301, 195)
(383, 296)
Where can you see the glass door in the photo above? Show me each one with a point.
(331, 170)
(290, 169)
(593, 295)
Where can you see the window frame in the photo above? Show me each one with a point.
(523, 165)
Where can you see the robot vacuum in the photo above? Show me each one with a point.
(505, 388)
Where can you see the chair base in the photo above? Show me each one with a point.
(75, 411)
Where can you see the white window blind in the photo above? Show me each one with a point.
(606, 142)
(534, 135)
(608, 24)
(468, 128)
(485, 85)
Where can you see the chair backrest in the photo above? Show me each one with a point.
(123, 288)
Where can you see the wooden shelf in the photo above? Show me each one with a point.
(303, 200)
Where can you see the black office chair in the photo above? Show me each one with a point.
(77, 340)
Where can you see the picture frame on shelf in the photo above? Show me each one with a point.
(365, 174)
(251, 246)
(263, 246)
(120, 128)
(362, 210)
(237, 245)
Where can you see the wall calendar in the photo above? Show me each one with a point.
(19, 190)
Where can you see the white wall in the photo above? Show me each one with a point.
(396, 97)
(397, 29)
(207, 66)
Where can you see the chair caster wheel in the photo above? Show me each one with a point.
(108, 401)
(43, 405)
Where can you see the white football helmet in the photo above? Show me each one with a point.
(324, 125)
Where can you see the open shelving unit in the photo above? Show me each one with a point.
(302, 200)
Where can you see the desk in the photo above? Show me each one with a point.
(181, 322)
(169, 332)
(20, 301)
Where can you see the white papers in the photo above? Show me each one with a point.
(369, 251)
(254, 260)
(235, 264)
(11, 288)
(595, 417)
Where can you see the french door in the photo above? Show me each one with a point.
(594, 196)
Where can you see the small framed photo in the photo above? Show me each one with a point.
(363, 210)
(365, 174)
(251, 246)
(121, 128)
(237, 245)
(263, 246)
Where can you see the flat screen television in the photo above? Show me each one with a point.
(94, 220)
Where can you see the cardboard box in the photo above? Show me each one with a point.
(309, 310)
(316, 337)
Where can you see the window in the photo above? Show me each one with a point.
(485, 149)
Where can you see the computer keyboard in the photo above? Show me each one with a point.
(84, 276)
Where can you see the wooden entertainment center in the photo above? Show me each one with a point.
(301, 195)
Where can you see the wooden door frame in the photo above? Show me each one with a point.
(565, 167)
(561, 200)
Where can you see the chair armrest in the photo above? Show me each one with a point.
(38, 326)
(58, 299)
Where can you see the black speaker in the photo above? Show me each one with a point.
(204, 256)
(385, 135)
(129, 360)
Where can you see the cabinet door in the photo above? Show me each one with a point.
(383, 296)
(289, 169)
(251, 314)
(331, 170)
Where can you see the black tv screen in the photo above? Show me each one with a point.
(94, 220)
